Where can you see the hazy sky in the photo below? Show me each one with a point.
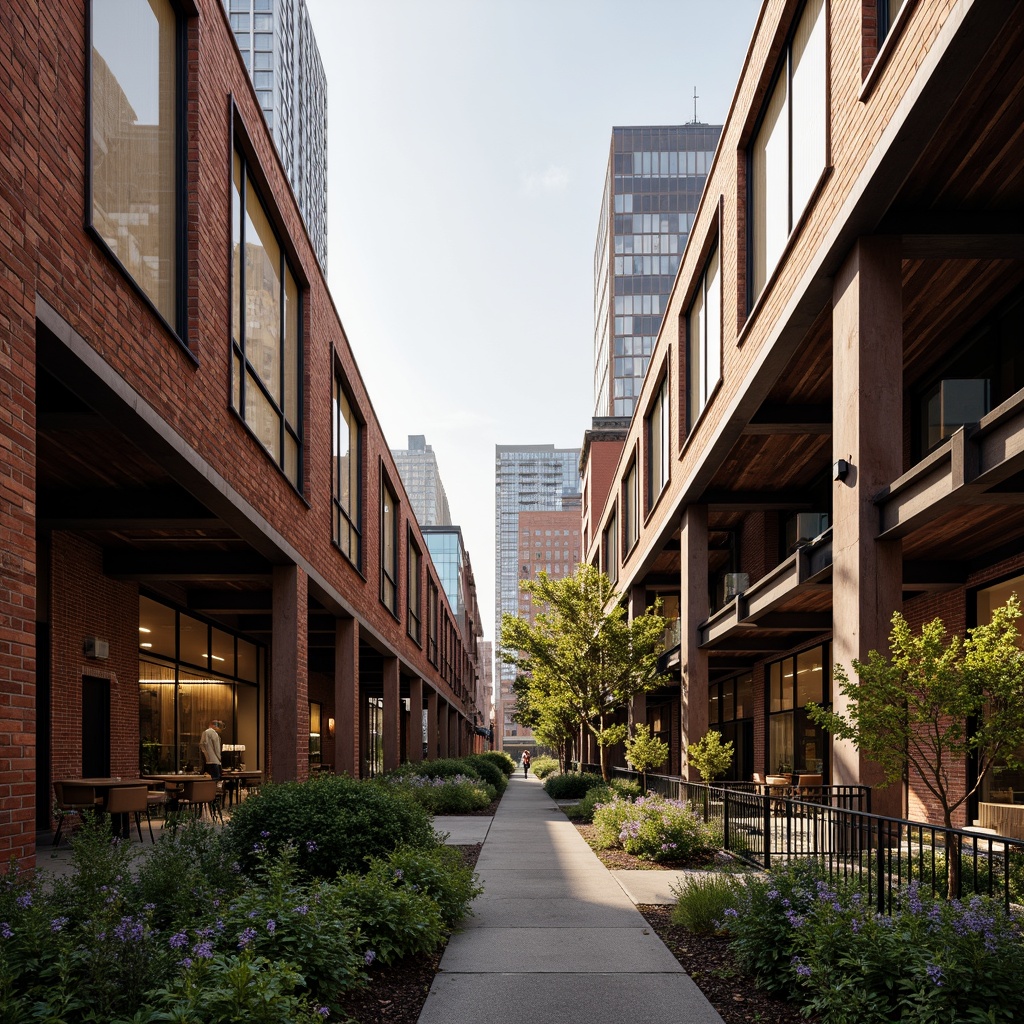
(468, 141)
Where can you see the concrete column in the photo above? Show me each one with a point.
(414, 739)
(867, 400)
(453, 732)
(391, 718)
(433, 740)
(289, 693)
(442, 728)
(693, 610)
(346, 697)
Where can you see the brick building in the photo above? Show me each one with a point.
(199, 514)
(832, 424)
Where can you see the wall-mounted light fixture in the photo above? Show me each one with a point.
(840, 469)
(330, 726)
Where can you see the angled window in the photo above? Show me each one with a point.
(610, 549)
(413, 581)
(886, 14)
(788, 152)
(631, 508)
(265, 329)
(388, 548)
(432, 603)
(704, 341)
(658, 445)
(346, 490)
(136, 180)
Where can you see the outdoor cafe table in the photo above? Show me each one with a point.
(103, 786)
(233, 779)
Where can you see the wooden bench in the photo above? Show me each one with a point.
(1006, 819)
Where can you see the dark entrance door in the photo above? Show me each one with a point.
(95, 727)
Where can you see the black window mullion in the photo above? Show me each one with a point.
(281, 348)
(243, 359)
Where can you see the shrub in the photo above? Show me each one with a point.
(543, 766)
(653, 828)
(395, 919)
(584, 810)
(702, 900)
(334, 823)
(442, 768)
(488, 771)
(571, 785)
(459, 794)
(440, 873)
(502, 760)
(626, 788)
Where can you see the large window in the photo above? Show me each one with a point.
(788, 152)
(346, 477)
(704, 341)
(610, 549)
(795, 743)
(658, 446)
(137, 179)
(191, 672)
(432, 607)
(316, 718)
(265, 329)
(631, 508)
(731, 713)
(412, 587)
(887, 10)
(388, 548)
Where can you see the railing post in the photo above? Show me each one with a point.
(725, 817)
(880, 852)
(767, 813)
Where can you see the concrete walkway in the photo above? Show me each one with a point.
(554, 937)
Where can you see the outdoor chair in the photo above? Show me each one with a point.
(197, 794)
(156, 800)
(129, 800)
(71, 801)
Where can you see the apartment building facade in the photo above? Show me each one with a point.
(199, 514)
(832, 425)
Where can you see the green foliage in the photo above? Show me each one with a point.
(440, 873)
(542, 767)
(653, 828)
(593, 798)
(582, 658)
(820, 943)
(645, 751)
(710, 756)
(488, 771)
(502, 760)
(456, 794)
(702, 902)
(334, 822)
(571, 785)
(395, 919)
(442, 768)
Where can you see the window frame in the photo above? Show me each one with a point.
(179, 329)
(433, 602)
(700, 294)
(610, 547)
(631, 506)
(339, 514)
(388, 572)
(247, 165)
(659, 441)
(413, 584)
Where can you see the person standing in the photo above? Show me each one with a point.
(209, 747)
(526, 764)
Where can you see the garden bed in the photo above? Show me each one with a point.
(619, 860)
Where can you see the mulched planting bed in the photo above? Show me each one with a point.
(619, 860)
(396, 992)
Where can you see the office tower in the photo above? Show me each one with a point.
(652, 187)
(418, 468)
(528, 478)
(276, 41)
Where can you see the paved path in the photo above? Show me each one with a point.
(554, 937)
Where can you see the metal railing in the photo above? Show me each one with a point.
(834, 826)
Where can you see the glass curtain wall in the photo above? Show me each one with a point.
(731, 712)
(795, 744)
(191, 672)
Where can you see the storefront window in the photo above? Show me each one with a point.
(795, 743)
(316, 710)
(731, 713)
(180, 693)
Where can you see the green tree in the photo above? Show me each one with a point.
(582, 657)
(710, 756)
(645, 751)
(935, 701)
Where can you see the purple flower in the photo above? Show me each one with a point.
(265, 835)
(129, 929)
(203, 950)
(186, 963)
(399, 874)
(271, 926)
(369, 956)
(5, 930)
(246, 937)
(323, 1011)
(57, 924)
(935, 974)
(311, 848)
(178, 940)
(304, 909)
(24, 901)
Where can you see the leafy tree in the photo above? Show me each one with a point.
(710, 756)
(645, 751)
(582, 659)
(934, 702)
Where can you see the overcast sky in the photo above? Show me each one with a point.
(468, 141)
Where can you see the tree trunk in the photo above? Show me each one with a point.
(952, 862)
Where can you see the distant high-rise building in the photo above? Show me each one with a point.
(417, 466)
(652, 187)
(528, 478)
(276, 41)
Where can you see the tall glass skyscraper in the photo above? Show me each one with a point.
(528, 478)
(276, 41)
(417, 466)
(652, 186)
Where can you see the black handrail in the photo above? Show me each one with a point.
(834, 826)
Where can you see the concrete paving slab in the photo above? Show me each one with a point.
(651, 886)
(533, 884)
(463, 830)
(515, 912)
(595, 998)
(559, 950)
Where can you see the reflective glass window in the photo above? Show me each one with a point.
(346, 478)
(388, 548)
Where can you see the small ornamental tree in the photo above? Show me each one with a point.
(937, 700)
(710, 756)
(645, 751)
